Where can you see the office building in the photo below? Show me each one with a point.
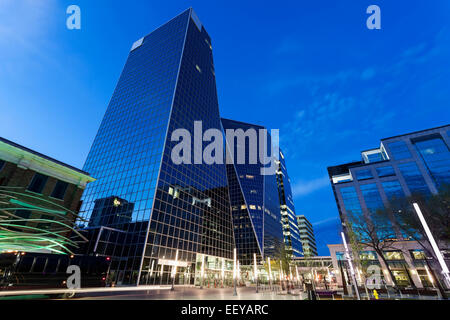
(255, 203)
(307, 236)
(291, 231)
(417, 164)
(150, 215)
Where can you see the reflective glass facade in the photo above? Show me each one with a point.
(436, 156)
(255, 203)
(143, 208)
(413, 178)
(415, 164)
(291, 231)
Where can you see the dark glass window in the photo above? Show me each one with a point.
(2, 164)
(24, 214)
(25, 264)
(351, 201)
(436, 157)
(39, 264)
(38, 183)
(60, 190)
(385, 171)
(399, 150)
(52, 263)
(414, 178)
(363, 174)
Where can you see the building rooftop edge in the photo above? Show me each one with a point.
(43, 156)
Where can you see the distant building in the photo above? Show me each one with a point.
(289, 223)
(307, 236)
(39, 201)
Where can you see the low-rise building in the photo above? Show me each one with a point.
(39, 201)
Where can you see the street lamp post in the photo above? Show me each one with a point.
(352, 271)
(270, 273)
(174, 271)
(434, 245)
(223, 271)
(281, 276)
(255, 271)
(234, 273)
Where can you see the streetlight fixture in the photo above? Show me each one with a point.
(352, 271)
(255, 271)
(433, 243)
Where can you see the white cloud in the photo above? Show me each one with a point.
(303, 188)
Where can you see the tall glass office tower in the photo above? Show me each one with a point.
(291, 232)
(255, 204)
(143, 210)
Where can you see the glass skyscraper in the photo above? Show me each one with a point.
(255, 203)
(145, 212)
(291, 232)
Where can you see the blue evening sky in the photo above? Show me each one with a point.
(310, 68)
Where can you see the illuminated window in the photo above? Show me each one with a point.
(418, 254)
(249, 176)
(252, 206)
(393, 255)
(198, 68)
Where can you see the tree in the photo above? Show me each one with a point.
(357, 247)
(374, 231)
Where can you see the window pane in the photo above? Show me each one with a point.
(351, 201)
(436, 156)
(363, 174)
(37, 183)
(59, 190)
(385, 171)
(413, 178)
(399, 150)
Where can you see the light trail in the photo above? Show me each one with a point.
(86, 290)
